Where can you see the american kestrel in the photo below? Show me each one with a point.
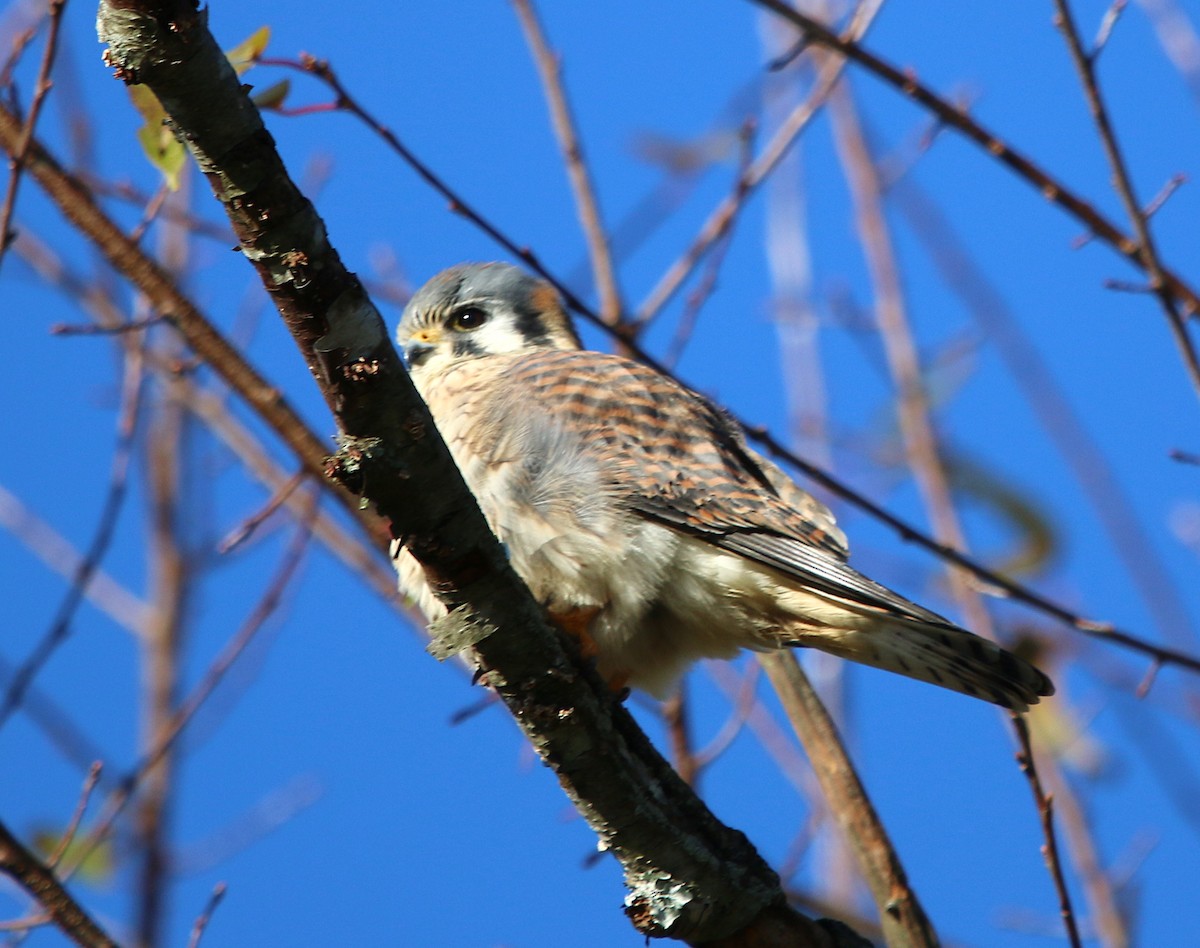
(637, 514)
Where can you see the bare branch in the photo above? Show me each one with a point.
(1147, 254)
(16, 163)
(721, 218)
(68, 836)
(958, 119)
(1045, 807)
(39, 881)
(550, 68)
(904, 921)
(202, 920)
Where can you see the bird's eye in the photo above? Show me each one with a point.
(467, 319)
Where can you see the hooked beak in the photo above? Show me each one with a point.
(420, 346)
(416, 352)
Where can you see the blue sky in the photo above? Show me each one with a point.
(325, 782)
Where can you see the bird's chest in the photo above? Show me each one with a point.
(547, 492)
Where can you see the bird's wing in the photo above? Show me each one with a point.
(673, 457)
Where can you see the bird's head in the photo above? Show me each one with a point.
(480, 309)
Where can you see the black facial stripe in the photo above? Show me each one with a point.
(466, 346)
(530, 325)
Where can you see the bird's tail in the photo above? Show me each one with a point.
(939, 654)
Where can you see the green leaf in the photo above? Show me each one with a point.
(272, 97)
(158, 141)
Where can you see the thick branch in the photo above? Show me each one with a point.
(690, 876)
(37, 879)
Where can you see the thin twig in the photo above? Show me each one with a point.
(1053, 190)
(708, 281)
(246, 529)
(64, 734)
(348, 103)
(1014, 590)
(741, 707)
(60, 627)
(1100, 890)
(549, 67)
(76, 202)
(85, 794)
(1045, 805)
(124, 191)
(16, 163)
(1174, 183)
(206, 915)
(20, 42)
(91, 329)
(1107, 24)
(364, 553)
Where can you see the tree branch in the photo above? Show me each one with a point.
(36, 879)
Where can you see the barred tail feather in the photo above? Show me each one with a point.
(939, 654)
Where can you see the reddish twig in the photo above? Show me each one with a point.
(92, 329)
(550, 68)
(1045, 805)
(18, 156)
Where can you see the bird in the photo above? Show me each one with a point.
(637, 514)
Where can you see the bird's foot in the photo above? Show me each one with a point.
(577, 624)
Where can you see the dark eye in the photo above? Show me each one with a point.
(468, 319)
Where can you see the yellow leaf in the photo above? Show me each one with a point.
(246, 53)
